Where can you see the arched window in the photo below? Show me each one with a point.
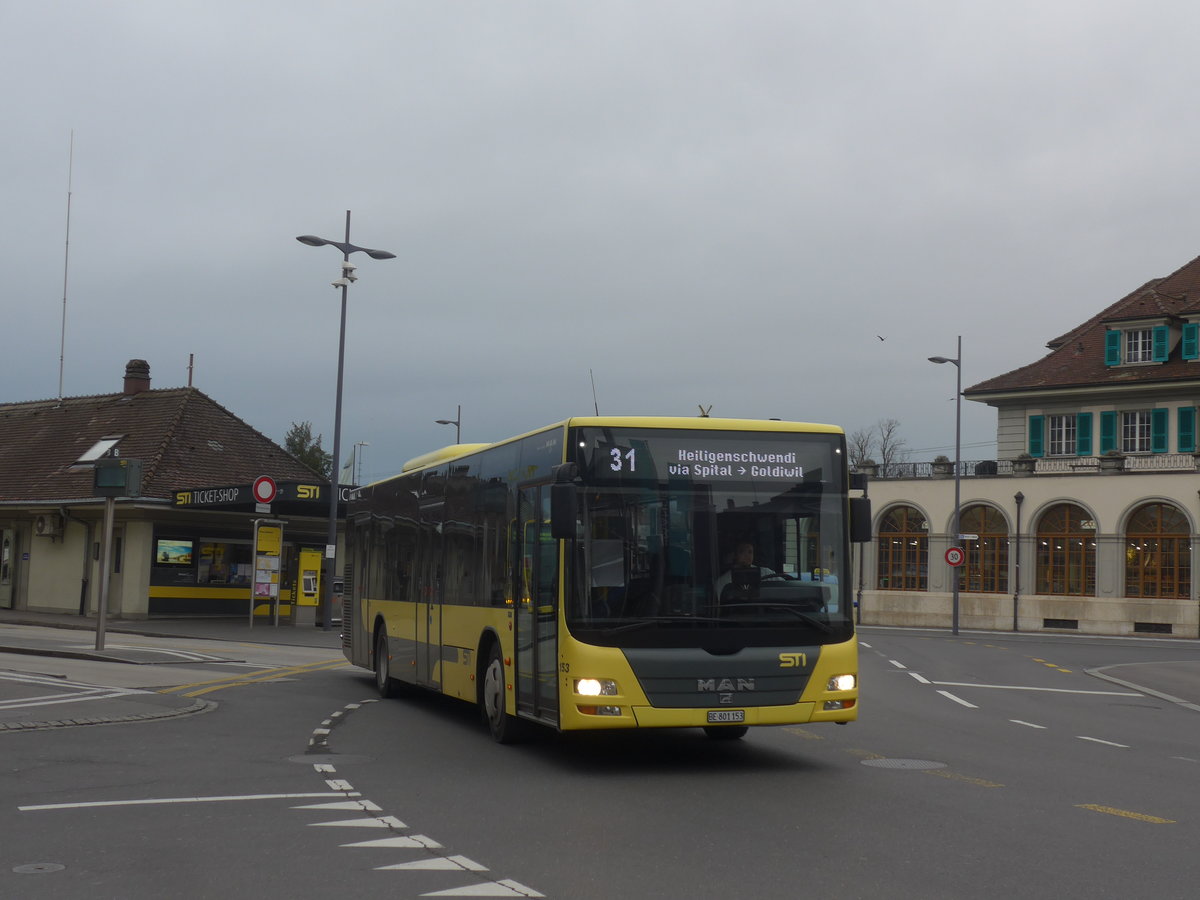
(903, 550)
(1066, 552)
(986, 567)
(1158, 552)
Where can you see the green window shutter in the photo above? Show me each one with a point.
(1108, 431)
(1191, 340)
(1083, 434)
(1112, 348)
(1160, 420)
(1161, 343)
(1037, 429)
(1186, 433)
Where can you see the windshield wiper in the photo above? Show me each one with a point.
(661, 620)
(803, 616)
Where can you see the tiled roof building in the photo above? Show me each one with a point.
(176, 549)
(183, 437)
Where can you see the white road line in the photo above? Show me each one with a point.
(960, 700)
(898, 665)
(373, 822)
(1027, 724)
(505, 888)
(412, 841)
(158, 800)
(920, 678)
(443, 863)
(1083, 737)
(365, 805)
(865, 644)
(1021, 687)
(53, 699)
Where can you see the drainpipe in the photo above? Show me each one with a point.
(87, 547)
(1019, 498)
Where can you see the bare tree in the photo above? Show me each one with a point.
(893, 449)
(859, 444)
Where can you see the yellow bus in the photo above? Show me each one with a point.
(615, 572)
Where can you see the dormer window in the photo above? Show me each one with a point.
(1137, 345)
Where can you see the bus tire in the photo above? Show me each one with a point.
(384, 683)
(505, 729)
(726, 732)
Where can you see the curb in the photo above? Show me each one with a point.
(197, 706)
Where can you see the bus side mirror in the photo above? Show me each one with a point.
(564, 511)
(860, 520)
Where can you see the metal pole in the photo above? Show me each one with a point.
(957, 478)
(335, 488)
(110, 508)
(1019, 498)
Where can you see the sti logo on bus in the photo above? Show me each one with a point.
(307, 492)
(793, 660)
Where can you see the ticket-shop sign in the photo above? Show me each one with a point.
(245, 495)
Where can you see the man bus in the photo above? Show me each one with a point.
(582, 576)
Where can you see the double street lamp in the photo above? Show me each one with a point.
(326, 609)
(957, 363)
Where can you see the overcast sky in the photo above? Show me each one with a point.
(716, 203)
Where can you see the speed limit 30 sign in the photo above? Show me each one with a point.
(955, 556)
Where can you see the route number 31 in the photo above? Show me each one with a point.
(622, 459)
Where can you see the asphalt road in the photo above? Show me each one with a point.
(982, 766)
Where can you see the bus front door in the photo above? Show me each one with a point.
(537, 608)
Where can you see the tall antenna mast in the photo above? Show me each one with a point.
(595, 402)
(62, 347)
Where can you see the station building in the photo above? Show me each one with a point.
(1087, 520)
(182, 547)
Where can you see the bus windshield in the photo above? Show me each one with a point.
(716, 539)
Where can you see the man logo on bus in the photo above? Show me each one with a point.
(724, 684)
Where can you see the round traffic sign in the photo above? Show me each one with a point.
(955, 556)
(264, 489)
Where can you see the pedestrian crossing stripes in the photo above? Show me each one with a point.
(429, 861)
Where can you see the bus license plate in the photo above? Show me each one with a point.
(727, 715)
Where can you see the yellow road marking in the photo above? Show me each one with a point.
(978, 782)
(206, 687)
(800, 732)
(863, 754)
(1126, 814)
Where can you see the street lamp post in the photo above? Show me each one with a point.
(957, 362)
(456, 422)
(348, 278)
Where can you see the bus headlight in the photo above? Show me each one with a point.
(595, 687)
(842, 683)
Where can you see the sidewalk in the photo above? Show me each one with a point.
(117, 684)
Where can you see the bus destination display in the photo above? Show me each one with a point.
(652, 458)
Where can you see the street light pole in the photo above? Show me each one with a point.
(348, 278)
(456, 422)
(957, 361)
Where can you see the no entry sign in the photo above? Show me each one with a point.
(264, 489)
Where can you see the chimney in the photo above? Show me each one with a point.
(137, 377)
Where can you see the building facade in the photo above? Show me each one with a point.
(1087, 521)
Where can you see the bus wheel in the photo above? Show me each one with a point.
(383, 677)
(726, 732)
(505, 728)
